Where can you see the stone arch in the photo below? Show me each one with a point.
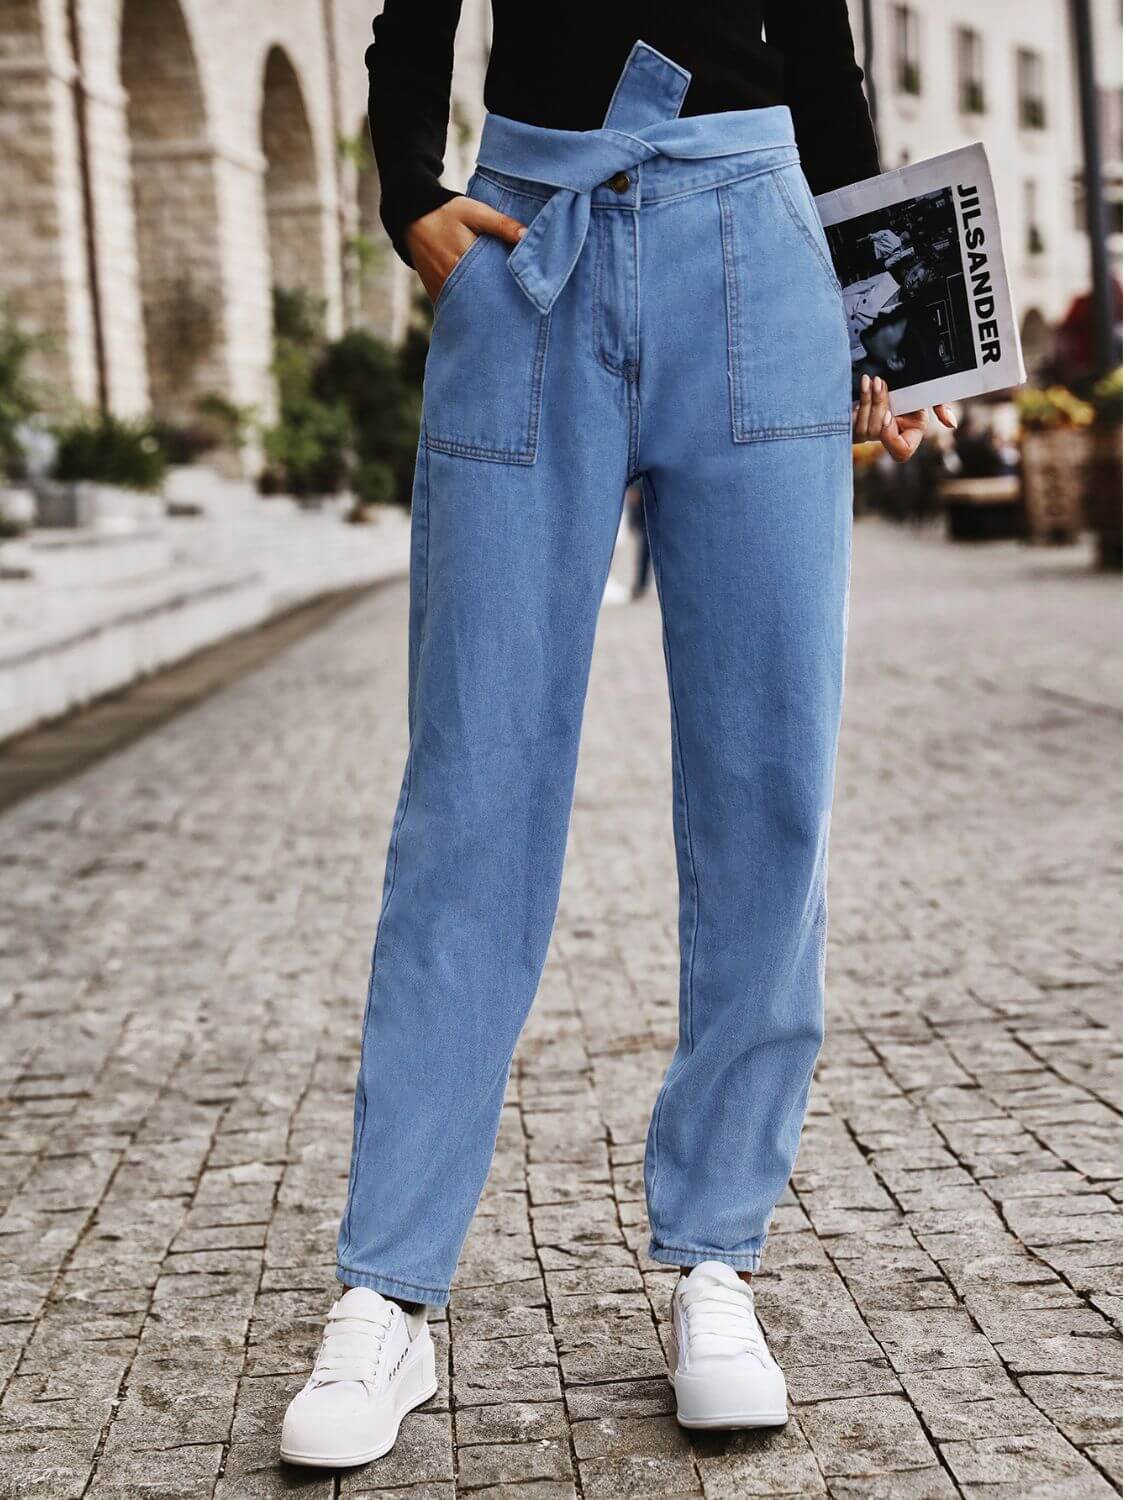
(294, 200)
(175, 206)
(44, 273)
(380, 290)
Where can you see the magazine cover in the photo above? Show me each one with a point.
(918, 254)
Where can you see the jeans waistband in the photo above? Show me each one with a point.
(652, 179)
(643, 153)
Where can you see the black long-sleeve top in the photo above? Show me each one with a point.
(556, 66)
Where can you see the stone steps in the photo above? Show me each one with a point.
(96, 611)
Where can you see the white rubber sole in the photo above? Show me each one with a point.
(413, 1387)
(735, 1420)
(700, 1402)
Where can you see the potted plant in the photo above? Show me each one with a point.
(19, 405)
(107, 472)
(1054, 447)
(1103, 476)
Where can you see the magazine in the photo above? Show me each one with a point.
(918, 254)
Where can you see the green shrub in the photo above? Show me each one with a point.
(18, 396)
(375, 483)
(228, 423)
(183, 442)
(307, 449)
(412, 355)
(298, 316)
(366, 377)
(107, 449)
(354, 398)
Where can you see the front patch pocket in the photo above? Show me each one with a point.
(484, 371)
(787, 336)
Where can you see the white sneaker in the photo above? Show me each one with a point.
(722, 1371)
(375, 1364)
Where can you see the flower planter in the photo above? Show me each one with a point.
(1103, 493)
(1054, 470)
(983, 510)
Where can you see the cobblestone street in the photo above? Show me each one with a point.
(187, 928)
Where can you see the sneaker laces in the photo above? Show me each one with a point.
(720, 1309)
(352, 1347)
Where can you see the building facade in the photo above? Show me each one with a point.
(1003, 72)
(165, 163)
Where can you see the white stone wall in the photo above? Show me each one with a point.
(912, 127)
(214, 137)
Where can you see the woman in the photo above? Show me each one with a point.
(635, 289)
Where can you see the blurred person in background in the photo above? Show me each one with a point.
(642, 568)
(633, 289)
(978, 451)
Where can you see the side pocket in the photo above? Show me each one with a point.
(484, 372)
(457, 272)
(788, 347)
(808, 222)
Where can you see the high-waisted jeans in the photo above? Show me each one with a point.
(670, 319)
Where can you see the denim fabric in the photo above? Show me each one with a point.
(682, 330)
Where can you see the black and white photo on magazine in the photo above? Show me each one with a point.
(917, 252)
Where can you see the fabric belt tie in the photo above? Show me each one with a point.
(642, 122)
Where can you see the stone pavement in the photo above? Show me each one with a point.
(186, 932)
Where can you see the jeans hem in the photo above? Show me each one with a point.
(671, 1255)
(391, 1286)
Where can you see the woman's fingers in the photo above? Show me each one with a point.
(880, 407)
(899, 435)
(902, 435)
(873, 411)
(485, 220)
(863, 410)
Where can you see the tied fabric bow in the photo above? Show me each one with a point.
(576, 162)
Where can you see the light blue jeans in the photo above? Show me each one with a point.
(671, 319)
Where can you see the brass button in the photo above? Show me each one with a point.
(619, 182)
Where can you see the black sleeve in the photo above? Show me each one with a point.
(824, 90)
(410, 74)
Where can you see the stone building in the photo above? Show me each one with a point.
(163, 163)
(1003, 72)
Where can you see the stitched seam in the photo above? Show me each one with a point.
(600, 354)
(409, 1286)
(706, 184)
(527, 188)
(470, 450)
(535, 404)
(657, 573)
(458, 271)
(756, 1245)
(361, 1121)
(806, 233)
(734, 314)
(816, 429)
(449, 285)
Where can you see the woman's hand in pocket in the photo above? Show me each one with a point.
(899, 435)
(438, 240)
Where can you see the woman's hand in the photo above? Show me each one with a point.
(874, 420)
(438, 240)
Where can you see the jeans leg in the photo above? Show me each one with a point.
(752, 579)
(508, 569)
